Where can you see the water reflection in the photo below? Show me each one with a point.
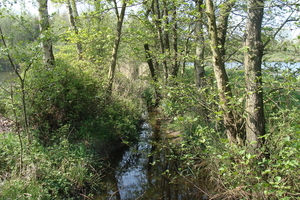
(129, 176)
(135, 176)
(132, 170)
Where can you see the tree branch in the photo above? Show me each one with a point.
(279, 29)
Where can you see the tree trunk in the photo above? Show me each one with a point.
(153, 74)
(225, 10)
(186, 52)
(166, 37)
(175, 67)
(199, 61)
(45, 33)
(156, 11)
(113, 62)
(150, 62)
(72, 15)
(255, 121)
(75, 11)
(224, 89)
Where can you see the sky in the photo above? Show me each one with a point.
(31, 7)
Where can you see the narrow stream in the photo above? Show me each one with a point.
(133, 176)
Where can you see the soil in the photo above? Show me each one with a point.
(6, 125)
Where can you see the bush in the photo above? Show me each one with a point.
(60, 96)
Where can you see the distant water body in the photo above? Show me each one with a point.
(269, 65)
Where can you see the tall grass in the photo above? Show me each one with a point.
(61, 171)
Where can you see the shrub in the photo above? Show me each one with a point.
(60, 96)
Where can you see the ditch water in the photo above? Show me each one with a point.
(134, 176)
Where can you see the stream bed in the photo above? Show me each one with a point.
(134, 175)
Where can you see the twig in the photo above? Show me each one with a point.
(113, 194)
(295, 195)
(85, 196)
(197, 187)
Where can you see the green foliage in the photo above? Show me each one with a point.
(189, 107)
(3, 101)
(19, 28)
(248, 175)
(96, 37)
(122, 113)
(61, 171)
(68, 113)
(149, 95)
(60, 96)
(116, 123)
(22, 189)
(67, 101)
(234, 171)
(68, 110)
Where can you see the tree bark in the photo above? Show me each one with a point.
(150, 62)
(175, 67)
(113, 62)
(224, 89)
(153, 74)
(225, 10)
(72, 10)
(156, 11)
(255, 120)
(75, 10)
(166, 36)
(44, 25)
(199, 61)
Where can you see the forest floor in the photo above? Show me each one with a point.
(6, 125)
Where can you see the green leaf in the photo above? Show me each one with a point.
(277, 179)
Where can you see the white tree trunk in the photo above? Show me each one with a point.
(45, 36)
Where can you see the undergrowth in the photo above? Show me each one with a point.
(61, 171)
(231, 171)
(71, 129)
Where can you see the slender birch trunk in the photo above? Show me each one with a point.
(44, 25)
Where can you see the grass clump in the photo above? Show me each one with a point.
(61, 171)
